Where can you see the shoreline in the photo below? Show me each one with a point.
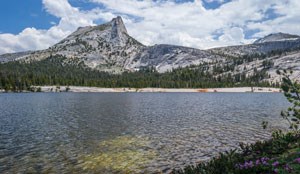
(81, 89)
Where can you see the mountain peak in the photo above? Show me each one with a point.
(277, 37)
(118, 22)
(108, 45)
(118, 28)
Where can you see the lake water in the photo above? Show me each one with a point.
(127, 132)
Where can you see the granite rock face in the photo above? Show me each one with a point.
(258, 48)
(167, 57)
(106, 47)
(13, 56)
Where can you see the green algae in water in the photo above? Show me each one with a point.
(124, 154)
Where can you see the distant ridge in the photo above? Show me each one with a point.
(277, 37)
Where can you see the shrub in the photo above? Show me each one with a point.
(292, 93)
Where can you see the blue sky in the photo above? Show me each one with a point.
(38, 24)
(15, 15)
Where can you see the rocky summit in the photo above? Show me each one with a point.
(108, 47)
(277, 37)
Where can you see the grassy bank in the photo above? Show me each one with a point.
(281, 155)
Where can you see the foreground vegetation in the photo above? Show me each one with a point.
(54, 71)
(281, 154)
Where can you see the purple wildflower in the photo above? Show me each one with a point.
(246, 165)
(264, 160)
(250, 164)
(275, 164)
(257, 162)
(288, 168)
(297, 160)
(275, 171)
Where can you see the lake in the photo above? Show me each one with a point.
(128, 132)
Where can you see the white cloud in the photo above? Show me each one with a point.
(155, 22)
(210, 1)
(53, 23)
(287, 21)
(35, 39)
(188, 24)
(233, 35)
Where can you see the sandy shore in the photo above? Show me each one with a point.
(96, 89)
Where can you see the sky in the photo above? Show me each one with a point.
(39, 24)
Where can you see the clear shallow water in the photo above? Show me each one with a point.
(127, 132)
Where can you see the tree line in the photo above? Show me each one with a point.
(19, 76)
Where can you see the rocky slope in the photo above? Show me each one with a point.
(289, 60)
(13, 56)
(108, 47)
(277, 37)
(261, 46)
(167, 57)
(280, 51)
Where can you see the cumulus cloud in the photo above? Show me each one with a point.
(151, 22)
(190, 23)
(287, 19)
(234, 34)
(35, 39)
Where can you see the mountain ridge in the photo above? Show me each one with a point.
(109, 47)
